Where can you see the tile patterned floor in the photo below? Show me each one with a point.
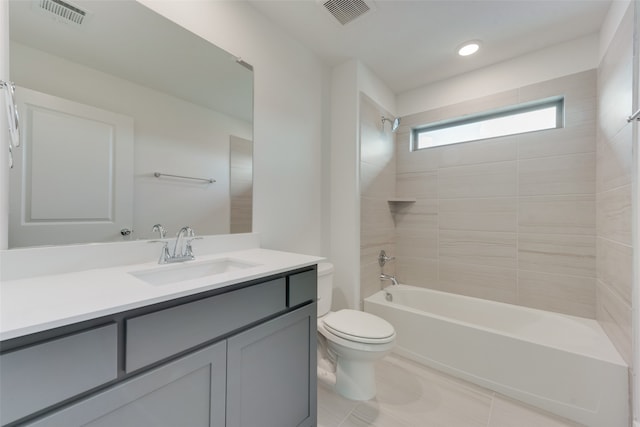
(411, 395)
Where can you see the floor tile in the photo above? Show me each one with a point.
(507, 413)
(412, 395)
(333, 409)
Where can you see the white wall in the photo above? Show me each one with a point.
(349, 80)
(290, 96)
(546, 64)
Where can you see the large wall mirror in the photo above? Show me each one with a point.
(127, 120)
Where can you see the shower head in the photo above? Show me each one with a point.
(394, 123)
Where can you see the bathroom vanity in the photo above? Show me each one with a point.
(235, 347)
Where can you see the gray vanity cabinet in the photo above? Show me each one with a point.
(189, 391)
(271, 373)
(241, 358)
(61, 368)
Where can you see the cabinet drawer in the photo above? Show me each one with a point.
(156, 336)
(302, 287)
(189, 392)
(39, 376)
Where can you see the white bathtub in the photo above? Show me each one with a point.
(559, 363)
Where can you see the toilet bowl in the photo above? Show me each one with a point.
(349, 343)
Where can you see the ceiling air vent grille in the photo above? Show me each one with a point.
(346, 11)
(63, 10)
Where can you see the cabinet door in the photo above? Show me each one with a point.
(271, 373)
(186, 392)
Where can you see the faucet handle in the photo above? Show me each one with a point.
(188, 250)
(164, 255)
(160, 229)
(383, 258)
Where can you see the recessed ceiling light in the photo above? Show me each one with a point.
(469, 48)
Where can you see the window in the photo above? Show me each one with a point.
(547, 114)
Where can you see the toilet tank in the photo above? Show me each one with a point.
(325, 287)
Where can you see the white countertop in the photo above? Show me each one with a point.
(39, 303)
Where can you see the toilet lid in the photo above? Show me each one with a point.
(359, 326)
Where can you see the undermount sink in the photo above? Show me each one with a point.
(173, 273)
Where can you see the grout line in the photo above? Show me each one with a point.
(517, 221)
(608, 190)
(614, 241)
(493, 400)
(351, 412)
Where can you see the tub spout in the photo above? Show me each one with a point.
(390, 278)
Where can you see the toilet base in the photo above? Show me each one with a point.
(355, 380)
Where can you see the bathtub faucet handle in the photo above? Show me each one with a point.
(383, 258)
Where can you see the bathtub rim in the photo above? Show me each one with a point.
(613, 355)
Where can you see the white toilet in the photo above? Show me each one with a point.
(349, 343)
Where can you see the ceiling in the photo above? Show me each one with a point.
(411, 43)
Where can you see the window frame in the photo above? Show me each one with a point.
(556, 101)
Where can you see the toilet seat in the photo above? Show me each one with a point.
(358, 326)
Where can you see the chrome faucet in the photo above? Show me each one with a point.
(182, 233)
(158, 228)
(182, 249)
(390, 278)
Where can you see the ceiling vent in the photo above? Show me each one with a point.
(346, 11)
(63, 11)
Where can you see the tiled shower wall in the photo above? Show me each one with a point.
(377, 185)
(510, 219)
(614, 188)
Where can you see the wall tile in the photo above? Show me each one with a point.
(615, 267)
(613, 201)
(496, 249)
(377, 180)
(615, 317)
(613, 213)
(615, 83)
(560, 293)
(557, 142)
(557, 253)
(490, 214)
(370, 280)
(577, 88)
(417, 184)
(614, 167)
(486, 151)
(557, 214)
(415, 161)
(479, 105)
(369, 256)
(480, 281)
(482, 180)
(581, 116)
(417, 243)
(572, 174)
(421, 272)
(421, 215)
(375, 213)
(489, 208)
(377, 185)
